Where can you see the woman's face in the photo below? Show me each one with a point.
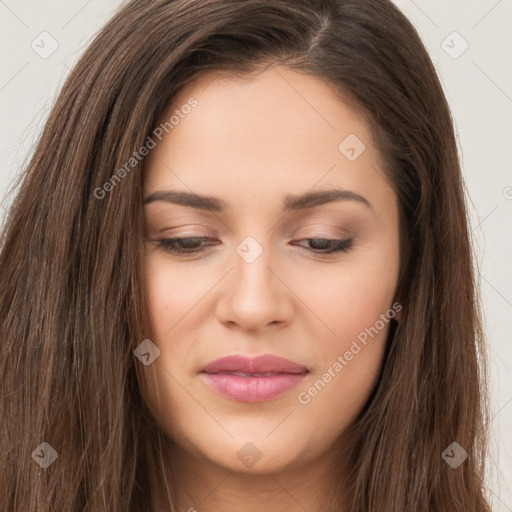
(288, 170)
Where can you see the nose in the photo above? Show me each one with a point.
(255, 296)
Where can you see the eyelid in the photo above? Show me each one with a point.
(340, 246)
(314, 230)
(321, 232)
(320, 235)
(320, 226)
(188, 230)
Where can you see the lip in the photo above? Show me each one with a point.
(239, 377)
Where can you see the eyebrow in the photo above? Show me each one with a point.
(291, 202)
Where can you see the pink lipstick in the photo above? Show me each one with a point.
(252, 379)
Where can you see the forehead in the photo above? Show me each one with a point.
(277, 129)
(264, 102)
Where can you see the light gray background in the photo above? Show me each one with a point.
(478, 84)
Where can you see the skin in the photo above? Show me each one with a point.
(251, 142)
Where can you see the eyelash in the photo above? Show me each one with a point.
(168, 245)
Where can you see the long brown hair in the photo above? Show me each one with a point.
(73, 297)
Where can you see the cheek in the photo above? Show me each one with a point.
(167, 282)
(336, 396)
(169, 298)
(355, 303)
(349, 297)
(174, 294)
(350, 364)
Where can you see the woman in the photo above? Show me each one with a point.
(237, 273)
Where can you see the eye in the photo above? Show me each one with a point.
(333, 245)
(184, 246)
(194, 245)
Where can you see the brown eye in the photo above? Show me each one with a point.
(183, 246)
(333, 245)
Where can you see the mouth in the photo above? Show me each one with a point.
(252, 379)
(243, 374)
(253, 366)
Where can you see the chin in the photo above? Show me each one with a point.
(256, 456)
